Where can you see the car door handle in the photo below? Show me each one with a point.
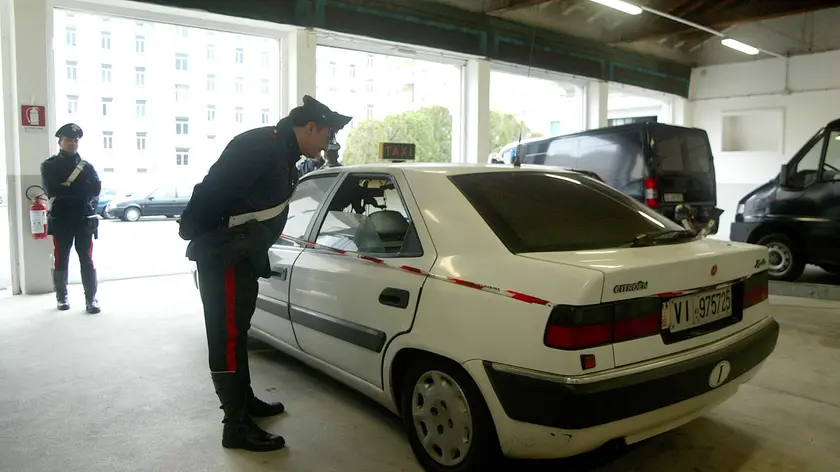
(395, 297)
(280, 273)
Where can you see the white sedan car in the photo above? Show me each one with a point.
(525, 312)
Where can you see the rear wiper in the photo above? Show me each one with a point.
(647, 239)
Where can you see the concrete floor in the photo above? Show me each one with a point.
(128, 390)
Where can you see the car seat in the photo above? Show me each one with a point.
(392, 228)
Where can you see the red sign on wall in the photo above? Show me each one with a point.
(33, 116)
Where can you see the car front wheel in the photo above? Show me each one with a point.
(448, 423)
(787, 262)
(132, 214)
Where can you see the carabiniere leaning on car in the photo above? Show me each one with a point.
(234, 216)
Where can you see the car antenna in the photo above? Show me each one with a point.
(517, 160)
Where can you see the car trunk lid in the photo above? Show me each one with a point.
(703, 279)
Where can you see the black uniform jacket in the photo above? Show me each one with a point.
(71, 205)
(255, 172)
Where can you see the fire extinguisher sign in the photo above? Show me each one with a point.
(33, 116)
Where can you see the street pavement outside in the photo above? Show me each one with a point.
(149, 247)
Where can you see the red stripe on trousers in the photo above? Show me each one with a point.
(90, 255)
(57, 263)
(230, 317)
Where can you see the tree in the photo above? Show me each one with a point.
(505, 129)
(430, 128)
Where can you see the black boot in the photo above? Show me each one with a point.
(90, 284)
(260, 409)
(239, 431)
(60, 287)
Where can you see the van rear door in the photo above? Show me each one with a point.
(684, 169)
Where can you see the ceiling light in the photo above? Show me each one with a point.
(739, 46)
(621, 6)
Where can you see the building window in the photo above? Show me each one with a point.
(352, 71)
(211, 83)
(369, 86)
(211, 52)
(106, 39)
(106, 106)
(72, 104)
(181, 61)
(239, 85)
(239, 114)
(141, 141)
(182, 157)
(265, 87)
(240, 56)
(333, 69)
(264, 117)
(108, 139)
(140, 76)
(140, 108)
(72, 70)
(181, 92)
(370, 61)
(264, 58)
(369, 112)
(70, 35)
(211, 112)
(182, 126)
(106, 73)
(211, 137)
(183, 31)
(140, 44)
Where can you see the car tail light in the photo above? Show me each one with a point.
(651, 193)
(581, 327)
(755, 289)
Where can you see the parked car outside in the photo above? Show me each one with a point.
(528, 312)
(164, 201)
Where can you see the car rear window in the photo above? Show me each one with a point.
(678, 150)
(544, 212)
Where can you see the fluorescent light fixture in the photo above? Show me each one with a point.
(739, 46)
(628, 8)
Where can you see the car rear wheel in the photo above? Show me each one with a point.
(786, 262)
(448, 423)
(132, 214)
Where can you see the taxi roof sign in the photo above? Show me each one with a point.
(397, 151)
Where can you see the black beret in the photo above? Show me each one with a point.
(70, 130)
(320, 114)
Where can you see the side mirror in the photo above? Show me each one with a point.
(783, 176)
(151, 197)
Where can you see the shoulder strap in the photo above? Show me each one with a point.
(78, 170)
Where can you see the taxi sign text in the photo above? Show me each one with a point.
(397, 151)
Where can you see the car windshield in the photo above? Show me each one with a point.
(545, 211)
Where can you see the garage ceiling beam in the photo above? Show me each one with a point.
(723, 14)
(510, 5)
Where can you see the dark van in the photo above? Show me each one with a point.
(797, 214)
(662, 166)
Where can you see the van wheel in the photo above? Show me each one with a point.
(786, 259)
(448, 423)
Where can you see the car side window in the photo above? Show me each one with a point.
(831, 165)
(303, 207)
(805, 173)
(368, 215)
(163, 194)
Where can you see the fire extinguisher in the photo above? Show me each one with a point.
(38, 214)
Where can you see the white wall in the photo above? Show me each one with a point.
(801, 99)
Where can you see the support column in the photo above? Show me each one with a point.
(681, 112)
(476, 120)
(27, 31)
(597, 100)
(297, 68)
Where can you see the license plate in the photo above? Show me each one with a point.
(690, 311)
(672, 197)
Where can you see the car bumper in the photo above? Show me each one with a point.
(740, 231)
(549, 416)
(114, 212)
